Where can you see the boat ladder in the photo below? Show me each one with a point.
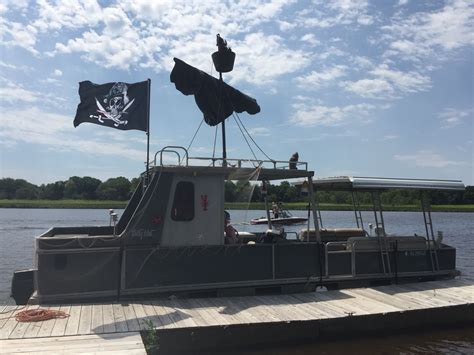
(357, 211)
(432, 245)
(380, 232)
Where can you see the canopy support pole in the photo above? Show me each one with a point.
(224, 152)
(148, 135)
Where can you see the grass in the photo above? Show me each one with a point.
(230, 205)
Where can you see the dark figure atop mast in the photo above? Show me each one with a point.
(224, 58)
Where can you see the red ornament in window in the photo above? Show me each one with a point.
(204, 202)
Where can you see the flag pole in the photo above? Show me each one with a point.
(148, 134)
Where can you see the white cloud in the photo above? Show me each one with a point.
(451, 117)
(147, 35)
(67, 14)
(311, 39)
(428, 159)
(286, 26)
(315, 79)
(262, 59)
(259, 132)
(13, 5)
(13, 93)
(53, 131)
(332, 13)
(57, 72)
(15, 34)
(435, 33)
(388, 83)
(310, 114)
(370, 88)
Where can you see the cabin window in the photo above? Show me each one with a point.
(183, 203)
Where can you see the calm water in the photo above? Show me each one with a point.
(18, 227)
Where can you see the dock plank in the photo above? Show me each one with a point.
(61, 323)
(48, 325)
(119, 318)
(141, 315)
(85, 322)
(370, 304)
(132, 322)
(381, 297)
(163, 314)
(238, 314)
(109, 321)
(33, 327)
(97, 323)
(116, 343)
(72, 327)
(255, 307)
(208, 314)
(183, 317)
(7, 312)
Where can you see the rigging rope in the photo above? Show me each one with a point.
(192, 140)
(243, 135)
(236, 114)
(215, 140)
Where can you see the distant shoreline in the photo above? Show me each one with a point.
(93, 204)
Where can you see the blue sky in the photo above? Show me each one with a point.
(368, 88)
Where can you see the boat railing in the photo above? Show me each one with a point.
(339, 248)
(185, 160)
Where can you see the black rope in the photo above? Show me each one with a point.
(243, 135)
(252, 138)
(192, 140)
(215, 140)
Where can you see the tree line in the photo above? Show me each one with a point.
(75, 188)
(121, 189)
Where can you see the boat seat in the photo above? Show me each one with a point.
(331, 234)
(246, 237)
(372, 243)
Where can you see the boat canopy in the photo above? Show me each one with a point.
(352, 183)
(216, 99)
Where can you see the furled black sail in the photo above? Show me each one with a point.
(215, 99)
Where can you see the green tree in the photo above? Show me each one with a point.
(468, 196)
(53, 191)
(114, 189)
(230, 191)
(81, 188)
(17, 188)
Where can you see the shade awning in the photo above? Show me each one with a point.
(216, 99)
(352, 183)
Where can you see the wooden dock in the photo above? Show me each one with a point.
(240, 321)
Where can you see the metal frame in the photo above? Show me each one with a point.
(211, 161)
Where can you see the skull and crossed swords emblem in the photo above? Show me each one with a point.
(116, 104)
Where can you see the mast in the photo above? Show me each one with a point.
(223, 60)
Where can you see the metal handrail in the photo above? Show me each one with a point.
(168, 149)
(213, 161)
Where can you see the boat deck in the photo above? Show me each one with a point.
(259, 319)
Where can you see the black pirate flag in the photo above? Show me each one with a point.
(117, 105)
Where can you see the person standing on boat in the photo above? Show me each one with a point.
(231, 234)
(293, 161)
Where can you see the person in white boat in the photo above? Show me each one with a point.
(275, 209)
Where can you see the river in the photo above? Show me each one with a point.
(18, 227)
